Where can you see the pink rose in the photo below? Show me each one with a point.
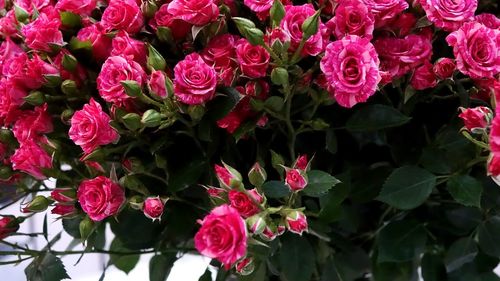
(28, 73)
(197, 13)
(444, 68)
(403, 24)
(90, 127)
(64, 210)
(220, 53)
(259, 6)
(449, 15)
(8, 225)
(296, 222)
(225, 176)
(32, 124)
(476, 50)
(42, 33)
(494, 133)
(301, 162)
(122, 15)
(153, 207)
(29, 5)
(494, 166)
(479, 118)
(195, 81)
(31, 159)
(63, 195)
(351, 67)
(253, 60)
(163, 18)
(100, 197)
(352, 18)
(156, 84)
(423, 77)
(79, 7)
(115, 70)
(125, 46)
(488, 20)
(243, 204)
(222, 236)
(96, 35)
(291, 24)
(9, 50)
(385, 10)
(295, 179)
(8, 24)
(231, 122)
(11, 98)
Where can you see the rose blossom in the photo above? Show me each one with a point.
(403, 24)
(79, 7)
(100, 197)
(385, 10)
(9, 50)
(423, 77)
(449, 15)
(28, 73)
(195, 81)
(222, 236)
(479, 118)
(220, 53)
(296, 222)
(153, 207)
(352, 18)
(243, 204)
(63, 195)
(64, 210)
(494, 133)
(301, 162)
(115, 70)
(226, 176)
(8, 24)
(96, 35)
(29, 5)
(128, 47)
(351, 67)
(196, 13)
(122, 15)
(156, 84)
(31, 124)
(295, 179)
(163, 18)
(42, 33)
(11, 97)
(476, 49)
(291, 24)
(488, 20)
(494, 167)
(444, 68)
(253, 60)
(8, 225)
(31, 159)
(90, 127)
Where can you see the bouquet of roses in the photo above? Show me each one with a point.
(366, 131)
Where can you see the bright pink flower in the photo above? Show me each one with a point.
(385, 10)
(42, 33)
(488, 20)
(479, 118)
(90, 127)
(494, 165)
(8, 24)
(115, 70)
(231, 122)
(29, 5)
(449, 15)
(126, 46)
(79, 7)
(11, 98)
(157, 84)
(423, 77)
(220, 53)
(96, 35)
(122, 15)
(295, 179)
(403, 24)
(32, 124)
(100, 197)
(253, 60)
(223, 175)
(8, 225)
(257, 88)
(153, 207)
(28, 73)
(476, 50)
(222, 236)
(64, 210)
(301, 162)
(259, 6)
(296, 222)
(269, 234)
(494, 133)
(351, 67)
(291, 24)
(196, 13)
(163, 18)
(9, 50)
(244, 205)
(195, 81)
(31, 159)
(352, 18)
(444, 68)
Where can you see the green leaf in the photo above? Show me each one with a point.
(407, 187)
(187, 175)
(275, 189)
(223, 104)
(331, 204)
(277, 12)
(433, 268)
(274, 103)
(465, 190)
(319, 183)
(489, 236)
(276, 161)
(46, 267)
(207, 276)
(346, 265)
(72, 226)
(460, 252)
(296, 258)
(401, 241)
(160, 266)
(394, 272)
(375, 117)
(331, 141)
(124, 263)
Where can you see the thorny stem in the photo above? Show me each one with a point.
(273, 54)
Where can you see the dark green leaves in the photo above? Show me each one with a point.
(401, 241)
(319, 183)
(275, 189)
(46, 267)
(461, 252)
(160, 266)
(375, 117)
(465, 190)
(125, 262)
(296, 258)
(407, 187)
(489, 236)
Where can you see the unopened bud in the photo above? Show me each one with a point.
(296, 222)
(69, 62)
(132, 88)
(196, 112)
(257, 175)
(69, 87)
(35, 98)
(279, 76)
(256, 223)
(132, 121)
(86, 228)
(38, 204)
(245, 266)
(151, 118)
(155, 59)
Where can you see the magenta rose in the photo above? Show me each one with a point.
(196, 13)
(476, 50)
(122, 15)
(8, 50)
(449, 15)
(156, 84)
(295, 179)
(403, 24)
(64, 210)
(494, 166)
(79, 7)
(32, 124)
(488, 20)
(253, 59)
(8, 225)
(96, 35)
(195, 81)
(31, 159)
(296, 222)
(444, 68)
(423, 77)
(8, 24)
(222, 236)
(90, 127)
(153, 208)
(479, 118)
(261, 7)
(11, 98)
(125, 46)
(100, 197)
(351, 67)
(385, 11)
(494, 133)
(352, 18)
(29, 5)
(220, 53)
(42, 33)
(163, 18)
(115, 70)
(243, 204)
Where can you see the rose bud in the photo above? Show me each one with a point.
(280, 229)
(269, 233)
(301, 163)
(256, 223)
(63, 194)
(246, 206)
(64, 210)
(296, 179)
(476, 119)
(444, 68)
(257, 175)
(86, 228)
(38, 204)
(153, 208)
(296, 222)
(215, 192)
(423, 77)
(8, 225)
(228, 177)
(245, 266)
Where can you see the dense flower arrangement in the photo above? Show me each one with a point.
(367, 131)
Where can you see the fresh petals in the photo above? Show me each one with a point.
(100, 197)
